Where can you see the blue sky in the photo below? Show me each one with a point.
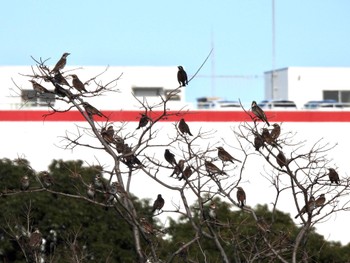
(171, 33)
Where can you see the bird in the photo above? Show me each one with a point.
(212, 168)
(35, 239)
(99, 183)
(91, 110)
(143, 121)
(38, 88)
(170, 157)
(183, 127)
(112, 191)
(91, 192)
(178, 168)
(59, 79)
(46, 179)
(147, 227)
(186, 173)
(281, 159)
(119, 144)
(158, 203)
(308, 207)
(276, 131)
(182, 76)
(130, 158)
(241, 197)
(320, 200)
(259, 113)
(108, 134)
(225, 156)
(24, 183)
(61, 63)
(61, 92)
(333, 176)
(212, 211)
(77, 84)
(258, 142)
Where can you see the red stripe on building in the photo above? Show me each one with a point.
(195, 116)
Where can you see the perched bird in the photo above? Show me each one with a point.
(37, 87)
(91, 191)
(35, 239)
(178, 168)
(333, 176)
(59, 79)
(112, 191)
(91, 110)
(281, 159)
(143, 121)
(212, 211)
(46, 179)
(61, 92)
(108, 134)
(170, 157)
(147, 227)
(259, 113)
(182, 76)
(61, 63)
(308, 207)
(119, 144)
(186, 173)
(320, 200)
(241, 198)
(158, 204)
(213, 169)
(99, 183)
(183, 127)
(225, 156)
(77, 84)
(258, 142)
(24, 183)
(130, 158)
(276, 131)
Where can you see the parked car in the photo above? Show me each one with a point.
(277, 105)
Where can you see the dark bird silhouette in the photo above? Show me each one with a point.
(61, 92)
(225, 156)
(258, 142)
(35, 239)
(183, 127)
(259, 113)
(178, 168)
(241, 197)
(281, 159)
(108, 134)
(24, 183)
(308, 207)
(213, 169)
(333, 176)
(158, 204)
(170, 157)
(46, 179)
(38, 88)
(186, 173)
(143, 121)
(130, 158)
(91, 110)
(320, 200)
(61, 63)
(276, 131)
(182, 76)
(59, 79)
(91, 191)
(77, 84)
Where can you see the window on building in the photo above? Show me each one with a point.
(147, 92)
(337, 95)
(32, 98)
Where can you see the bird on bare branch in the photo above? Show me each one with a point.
(91, 110)
(311, 205)
(143, 121)
(182, 76)
(38, 88)
(61, 63)
(184, 128)
(259, 113)
(213, 169)
(241, 197)
(333, 176)
(77, 84)
(276, 131)
(225, 156)
(170, 157)
(158, 203)
(281, 159)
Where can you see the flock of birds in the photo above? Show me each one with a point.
(179, 170)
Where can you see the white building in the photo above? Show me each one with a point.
(303, 84)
